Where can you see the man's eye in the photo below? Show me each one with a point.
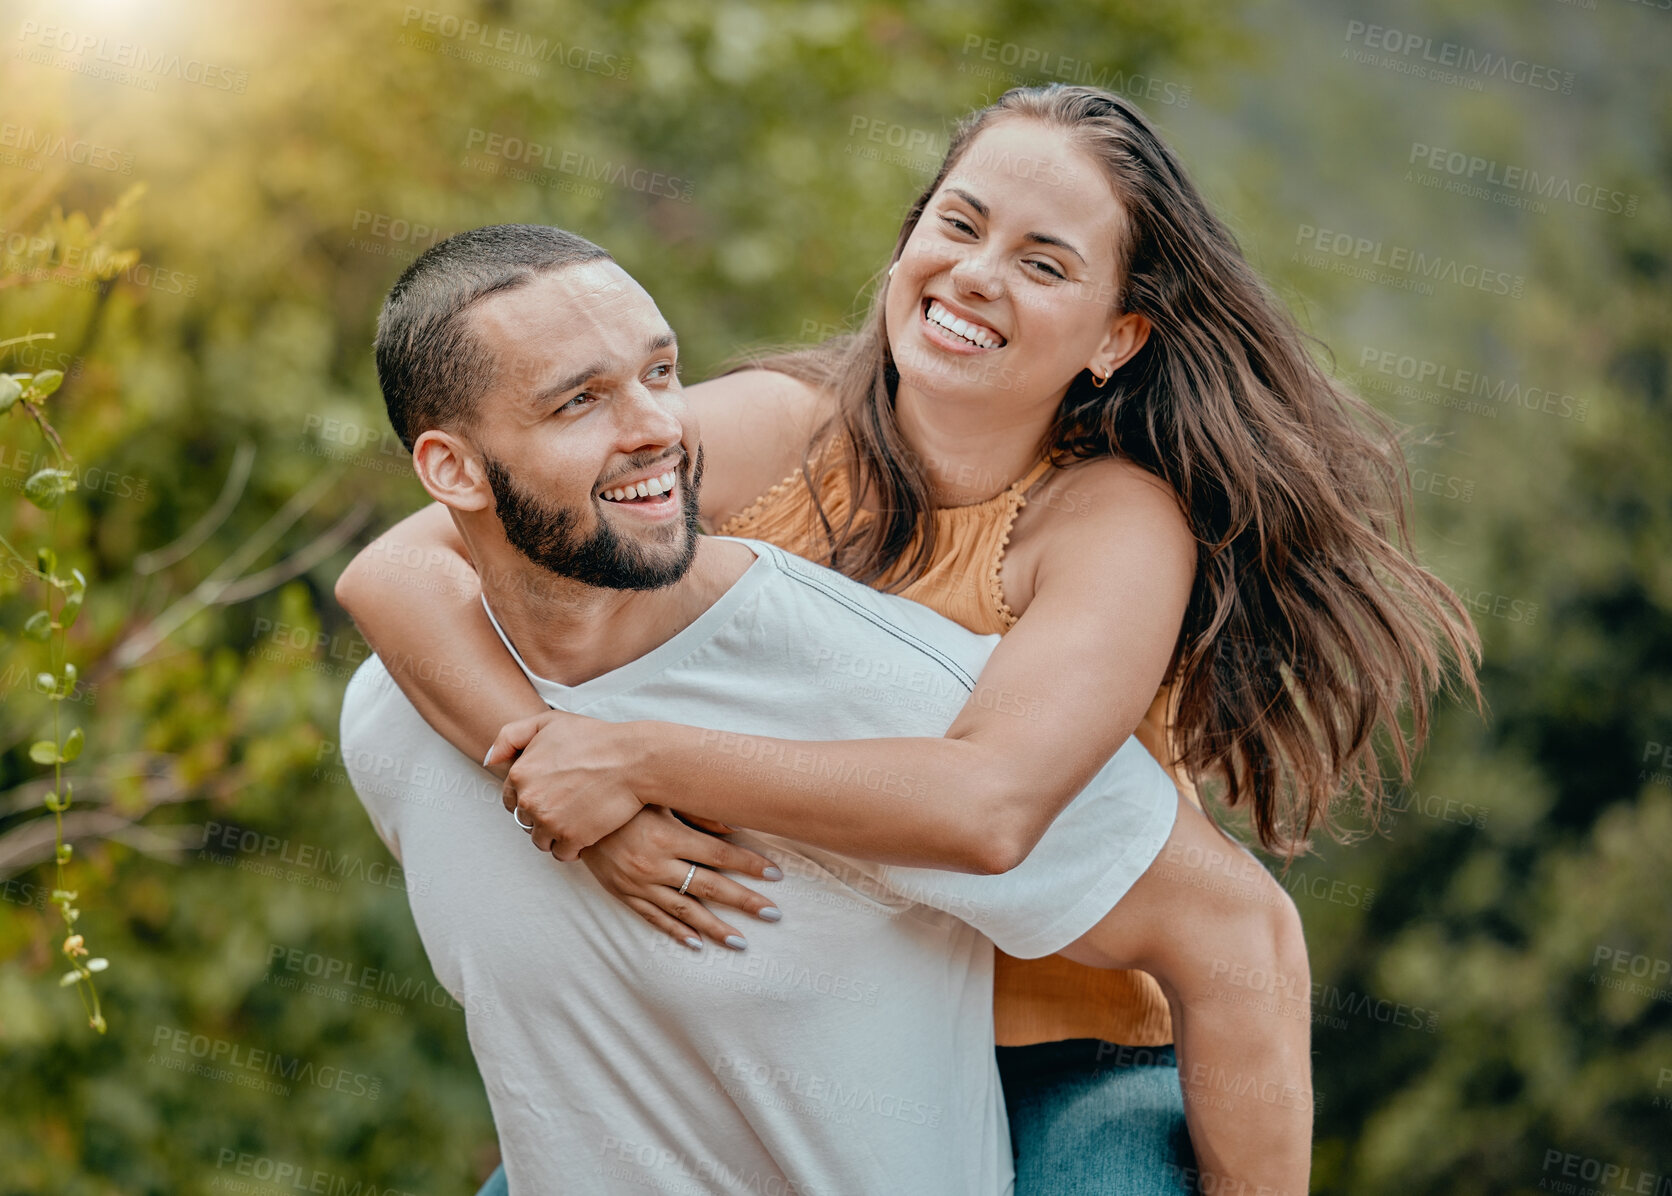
(665, 370)
(585, 394)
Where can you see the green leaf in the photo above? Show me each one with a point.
(39, 626)
(71, 674)
(46, 488)
(43, 751)
(45, 382)
(71, 608)
(64, 852)
(72, 744)
(10, 392)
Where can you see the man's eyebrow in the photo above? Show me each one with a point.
(1036, 238)
(580, 377)
(546, 393)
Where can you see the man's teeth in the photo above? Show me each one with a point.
(645, 489)
(973, 333)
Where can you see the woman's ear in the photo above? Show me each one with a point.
(1127, 334)
(451, 471)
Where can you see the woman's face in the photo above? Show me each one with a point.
(1007, 284)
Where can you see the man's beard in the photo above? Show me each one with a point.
(549, 538)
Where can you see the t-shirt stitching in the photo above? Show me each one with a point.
(899, 633)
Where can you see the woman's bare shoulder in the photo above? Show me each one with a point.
(1111, 496)
(755, 425)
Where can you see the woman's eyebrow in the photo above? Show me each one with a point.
(981, 210)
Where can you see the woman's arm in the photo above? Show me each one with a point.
(1059, 695)
(418, 601)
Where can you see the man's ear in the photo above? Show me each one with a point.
(1127, 334)
(451, 471)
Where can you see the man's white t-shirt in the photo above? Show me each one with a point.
(849, 1049)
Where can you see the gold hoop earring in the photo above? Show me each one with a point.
(1100, 383)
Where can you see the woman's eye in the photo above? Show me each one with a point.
(959, 225)
(1048, 268)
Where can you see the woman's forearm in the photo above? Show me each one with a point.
(947, 803)
(418, 602)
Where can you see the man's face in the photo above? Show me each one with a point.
(585, 404)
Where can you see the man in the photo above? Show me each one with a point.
(849, 1050)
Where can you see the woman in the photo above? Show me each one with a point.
(1074, 417)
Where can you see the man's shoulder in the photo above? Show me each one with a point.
(376, 714)
(843, 606)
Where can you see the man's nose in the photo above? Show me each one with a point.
(650, 418)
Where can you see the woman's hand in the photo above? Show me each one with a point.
(571, 779)
(644, 863)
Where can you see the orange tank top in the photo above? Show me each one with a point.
(1034, 1000)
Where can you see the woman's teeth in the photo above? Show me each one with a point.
(646, 489)
(975, 334)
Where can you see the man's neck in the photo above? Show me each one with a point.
(570, 632)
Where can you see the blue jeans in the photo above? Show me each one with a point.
(1091, 1118)
(1087, 1118)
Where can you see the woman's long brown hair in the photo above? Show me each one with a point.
(1310, 626)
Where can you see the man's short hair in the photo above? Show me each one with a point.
(431, 368)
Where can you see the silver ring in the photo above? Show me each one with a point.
(517, 814)
(688, 877)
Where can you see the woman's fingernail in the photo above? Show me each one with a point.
(736, 942)
(694, 943)
(771, 913)
(773, 872)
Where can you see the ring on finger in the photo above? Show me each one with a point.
(688, 877)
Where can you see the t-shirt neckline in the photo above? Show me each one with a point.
(666, 654)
